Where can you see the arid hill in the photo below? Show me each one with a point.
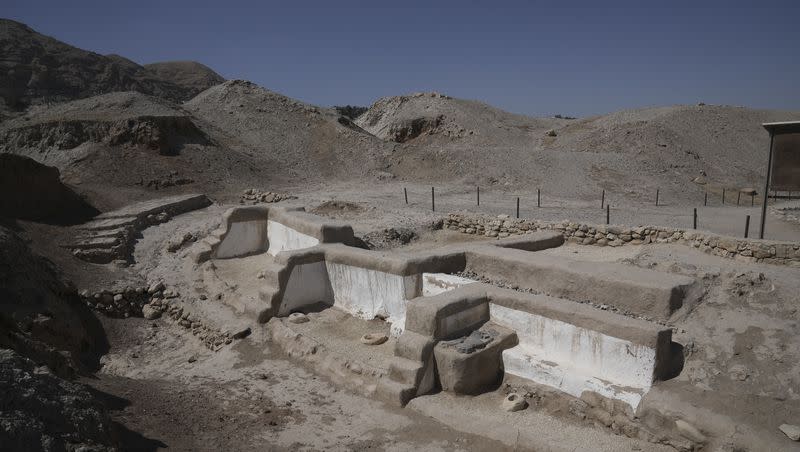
(628, 151)
(234, 135)
(36, 68)
(189, 74)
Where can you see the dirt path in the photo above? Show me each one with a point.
(179, 396)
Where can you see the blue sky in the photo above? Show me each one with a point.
(539, 58)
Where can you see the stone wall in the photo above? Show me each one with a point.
(748, 250)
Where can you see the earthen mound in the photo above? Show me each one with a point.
(32, 191)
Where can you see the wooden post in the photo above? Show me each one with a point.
(746, 226)
(517, 206)
(433, 200)
(752, 199)
(538, 197)
(738, 197)
(694, 222)
(656, 196)
(766, 188)
(608, 213)
(478, 191)
(705, 199)
(603, 199)
(405, 194)
(723, 196)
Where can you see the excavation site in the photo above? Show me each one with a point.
(193, 262)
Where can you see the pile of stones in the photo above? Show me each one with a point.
(151, 303)
(254, 196)
(118, 303)
(748, 250)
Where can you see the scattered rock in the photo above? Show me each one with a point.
(242, 333)
(257, 196)
(298, 317)
(514, 402)
(150, 313)
(155, 287)
(476, 340)
(792, 431)
(374, 338)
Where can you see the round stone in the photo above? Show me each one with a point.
(374, 338)
(514, 402)
(298, 317)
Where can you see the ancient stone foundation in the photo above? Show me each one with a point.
(747, 250)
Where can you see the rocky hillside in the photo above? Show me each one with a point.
(36, 68)
(49, 134)
(41, 316)
(189, 74)
(434, 117)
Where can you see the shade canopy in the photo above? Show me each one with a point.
(782, 127)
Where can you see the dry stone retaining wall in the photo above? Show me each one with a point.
(747, 250)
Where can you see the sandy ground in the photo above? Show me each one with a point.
(384, 204)
(180, 396)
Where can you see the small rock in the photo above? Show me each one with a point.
(514, 402)
(118, 297)
(150, 313)
(374, 338)
(792, 431)
(155, 287)
(297, 317)
(242, 333)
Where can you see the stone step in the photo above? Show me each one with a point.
(118, 232)
(96, 256)
(413, 346)
(394, 393)
(96, 243)
(109, 223)
(406, 371)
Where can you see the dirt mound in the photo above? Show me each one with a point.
(32, 191)
(38, 68)
(725, 144)
(190, 74)
(404, 118)
(302, 139)
(630, 153)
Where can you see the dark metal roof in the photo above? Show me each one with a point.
(782, 127)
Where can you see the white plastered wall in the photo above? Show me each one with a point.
(366, 293)
(307, 284)
(244, 237)
(282, 238)
(575, 359)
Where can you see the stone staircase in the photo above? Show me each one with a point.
(111, 236)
